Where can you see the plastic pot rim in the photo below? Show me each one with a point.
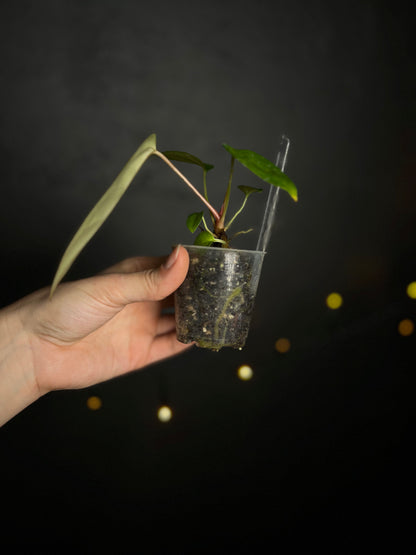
(219, 249)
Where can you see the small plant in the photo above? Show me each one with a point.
(217, 236)
(258, 165)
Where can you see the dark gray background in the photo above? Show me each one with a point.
(313, 453)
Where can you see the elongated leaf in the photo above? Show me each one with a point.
(264, 169)
(103, 208)
(180, 156)
(193, 221)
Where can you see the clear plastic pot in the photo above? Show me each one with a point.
(214, 304)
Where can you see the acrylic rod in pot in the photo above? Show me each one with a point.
(271, 204)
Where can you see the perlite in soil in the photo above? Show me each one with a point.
(214, 305)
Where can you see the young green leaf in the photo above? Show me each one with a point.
(103, 208)
(249, 190)
(204, 239)
(264, 169)
(179, 156)
(193, 221)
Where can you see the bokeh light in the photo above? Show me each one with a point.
(334, 301)
(411, 290)
(164, 413)
(245, 372)
(282, 345)
(94, 402)
(406, 327)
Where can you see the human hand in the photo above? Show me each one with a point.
(94, 329)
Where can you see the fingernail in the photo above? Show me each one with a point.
(172, 258)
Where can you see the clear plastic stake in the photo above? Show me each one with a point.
(271, 204)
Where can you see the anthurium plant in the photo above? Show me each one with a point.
(215, 235)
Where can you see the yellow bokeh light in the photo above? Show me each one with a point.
(334, 301)
(164, 413)
(245, 372)
(94, 403)
(406, 327)
(282, 345)
(411, 290)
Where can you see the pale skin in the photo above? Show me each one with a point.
(90, 331)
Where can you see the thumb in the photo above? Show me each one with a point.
(150, 284)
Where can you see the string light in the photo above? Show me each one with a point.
(94, 403)
(164, 413)
(282, 345)
(245, 372)
(406, 327)
(411, 290)
(334, 301)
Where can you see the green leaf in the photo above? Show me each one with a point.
(103, 208)
(180, 156)
(264, 169)
(249, 190)
(194, 220)
(204, 239)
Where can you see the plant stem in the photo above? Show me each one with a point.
(236, 214)
(205, 185)
(206, 193)
(205, 225)
(220, 224)
(175, 169)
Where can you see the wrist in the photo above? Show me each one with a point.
(18, 387)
